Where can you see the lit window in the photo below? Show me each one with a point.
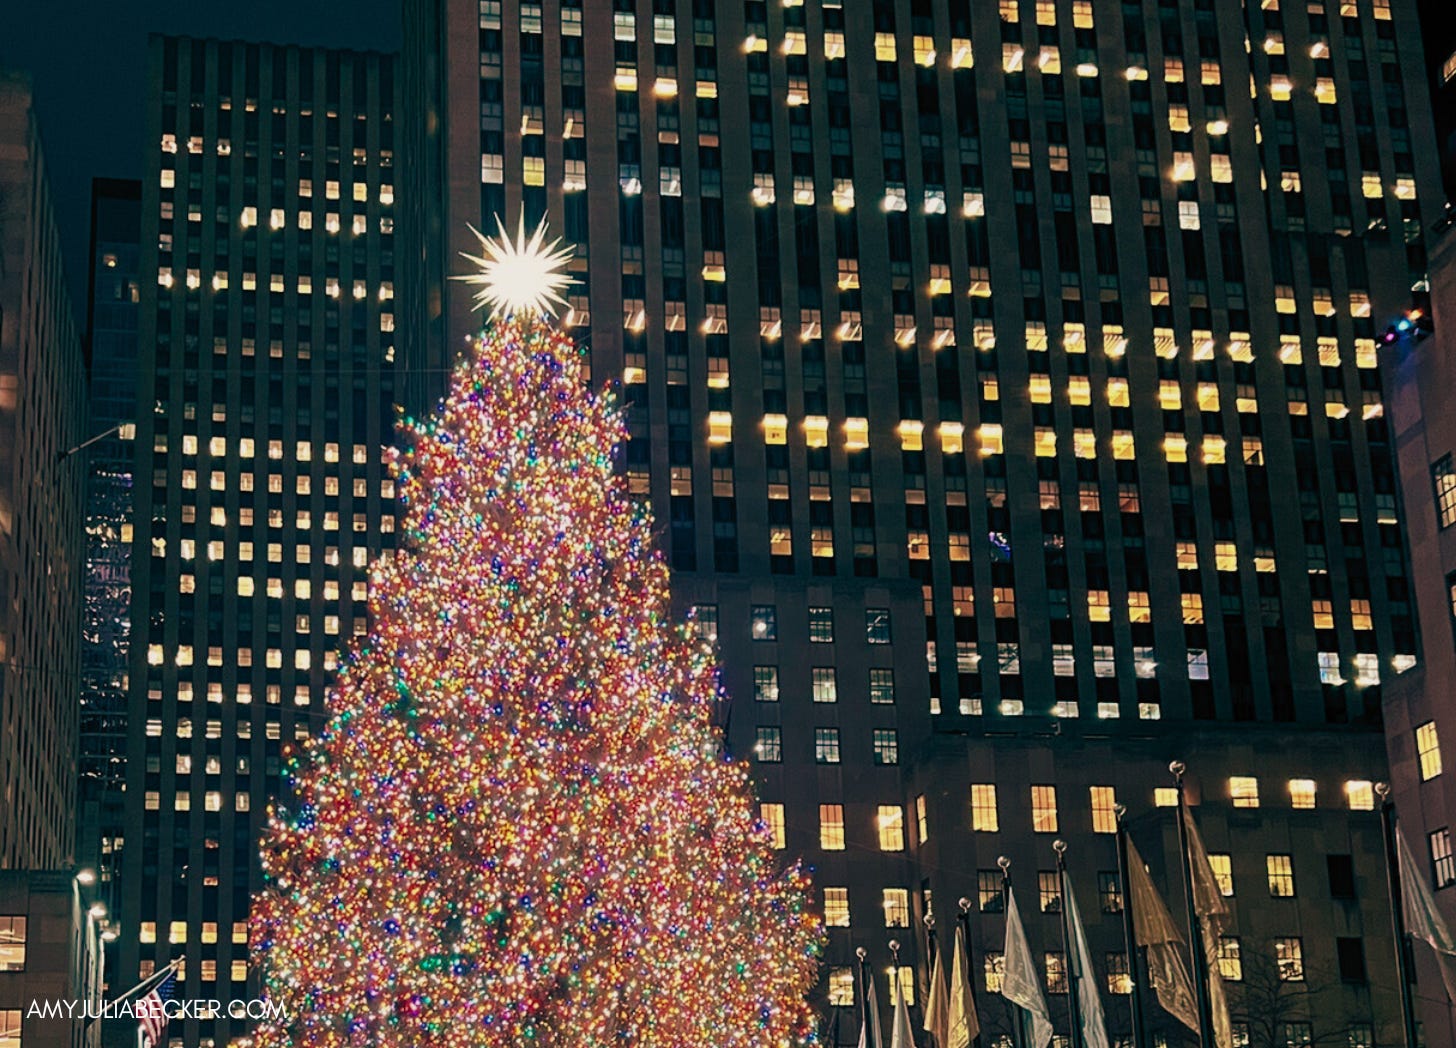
(1289, 956)
(994, 967)
(831, 827)
(1429, 748)
(1443, 478)
(890, 822)
(887, 746)
(902, 984)
(12, 949)
(897, 907)
(1223, 872)
(836, 907)
(1361, 794)
(1230, 958)
(841, 987)
(768, 744)
(984, 817)
(821, 625)
(882, 686)
(1443, 862)
(1044, 809)
(1281, 876)
(1165, 797)
(1056, 971)
(1301, 793)
(766, 683)
(1104, 816)
(764, 622)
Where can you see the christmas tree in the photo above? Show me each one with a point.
(518, 827)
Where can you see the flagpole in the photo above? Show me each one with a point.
(1018, 1027)
(963, 916)
(1195, 932)
(864, 983)
(895, 987)
(1129, 930)
(1074, 1006)
(1397, 914)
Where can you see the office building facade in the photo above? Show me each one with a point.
(995, 370)
(1418, 711)
(50, 950)
(42, 417)
(266, 334)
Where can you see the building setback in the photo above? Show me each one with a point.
(266, 335)
(1004, 376)
(42, 417)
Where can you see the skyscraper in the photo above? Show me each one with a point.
(42, 417)
(111, 349)
(1005, 376)
(266, 393)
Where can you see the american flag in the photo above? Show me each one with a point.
(151, 1012)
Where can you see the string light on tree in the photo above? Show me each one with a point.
(517, 828)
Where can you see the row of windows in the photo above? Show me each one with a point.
(1243, 792)
(824, 684)
(764, 623)
(768, 746)
(1285, 955)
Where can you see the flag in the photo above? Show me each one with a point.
(1213, 913)
(1422, 919)
(902, 1034)
(151, 1009)
(964, 1024)
(869, 1026)
(937, 1007)
(1019, 984)
(1156, 932)
(1094, 1022)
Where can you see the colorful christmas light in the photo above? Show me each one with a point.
(518, 828)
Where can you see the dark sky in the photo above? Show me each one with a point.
(87, 59)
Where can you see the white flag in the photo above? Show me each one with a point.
(965, 1025)
(1213, 914)
(1422, 919)
(937, 1007)
(1019, 984)
(902, 1035)
(1156, 931)
(869, 1026)
(1094, 1022)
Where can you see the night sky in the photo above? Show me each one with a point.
(87, 59)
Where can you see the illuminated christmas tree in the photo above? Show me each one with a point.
(518, 828)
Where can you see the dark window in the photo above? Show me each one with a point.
(877, 625)
(1351, 956)
(1342, 876)
(1109, 891)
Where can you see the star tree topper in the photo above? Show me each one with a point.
(526, 275)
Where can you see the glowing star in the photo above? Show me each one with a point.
(519, 277)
